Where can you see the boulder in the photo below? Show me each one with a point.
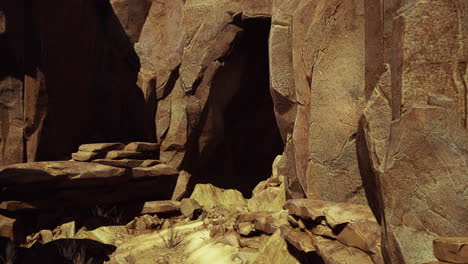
(123, 163)
(300, 240)
(268, 196)
(334, 252)
(231, 238)
(181, 186)
(363, 235)
(267, 222)
(157, 207)
(46, 236)
(85, 155)
(124, 154)
(275, 250)
(142, 147)
(254, 242)
(245, 228)
(101, 147)
(150, 163)
(190, 208)
(155, 171)
(451, 249)
(35, 172)
(209, 196)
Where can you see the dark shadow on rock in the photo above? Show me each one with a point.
(245, 139)
(369, 179)
(89, 71)
(65, 251)
(31, 221)
(305, 257)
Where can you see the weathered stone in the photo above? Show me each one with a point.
(124, 154)
(267, 222)
(181, 186)
(300, 240)
(231, 238)
(85, 156)
(190, 208)
(139, 224)
(132, 15)
(14, 206)
(333, 252)
(55, 170)
(101, 147)
(247, 255)
(12, 120)
(255, 242)
(451, 249)
(208, 196)
(7, 227)
(157, 207)
(66, 230)
(142, 147)
(154, 171)
(245, 228)
(275, 250)
(150, 163)
(271, 198)
(323, 230)
(334, 213)
(365, 236)
(123, 163)
(46, 236)
(416, 110)
(151, 222)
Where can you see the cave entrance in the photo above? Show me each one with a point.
(245, 138)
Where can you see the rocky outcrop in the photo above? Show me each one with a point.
(355, 103)
(42, 184)
(339, 232)
(69, 76)
(415, 124)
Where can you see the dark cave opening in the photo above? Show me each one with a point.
(244, 136)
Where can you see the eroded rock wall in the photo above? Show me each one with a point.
(369, 97)
(415, 124)
(68, 77)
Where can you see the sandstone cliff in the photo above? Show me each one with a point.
(365, 101)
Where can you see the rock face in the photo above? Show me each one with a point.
(357, 104)
(47, 111)
(451, 249)
(415, 147)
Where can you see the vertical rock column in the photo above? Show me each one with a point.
(415, 125)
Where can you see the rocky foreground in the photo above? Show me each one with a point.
(97, 209)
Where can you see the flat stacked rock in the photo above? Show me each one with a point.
(99, 173)
(133, 154)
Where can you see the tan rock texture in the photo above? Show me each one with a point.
(359, 102)
(68, 77)
(414, 124)
(451, 249)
